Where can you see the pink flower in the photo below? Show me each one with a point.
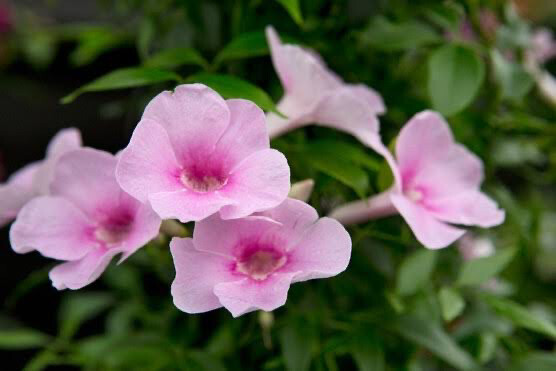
(543, 46)
(248, 264)
(194, 154)
(86, 220)
(34, 179)
(314, 94)
(439, 185)
(472, 247)
(5, 17)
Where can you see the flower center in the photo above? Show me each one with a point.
(202, 183)
(111, 235)
(414, 195)
(260, 264)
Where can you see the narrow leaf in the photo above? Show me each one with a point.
(176, 57)
(477, 271)
(293, 8)
(387, 36)
(80, 307)
(451, 303)
(124, 78)
(296, 347)
(22, 338)
(250, 44)
(415, 271)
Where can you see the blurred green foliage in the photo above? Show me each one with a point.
(398, 306)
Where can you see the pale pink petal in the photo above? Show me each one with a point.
(467, 208)
(247, 295)
(145, 227)
(345, 110)
(77, 274)
(302, 190)
(431, 232)
(87, 178)
(294, 216)
(425, 138)
(197, 273)
(297, 115)
(187, 206)
(259, 182)
(370, 96)
(323, 252)
(65, 140)
(54, 227)
(148, 164)
(245, 135)
(194, 116)
(229, 233)
(301, 73)
(17, 192)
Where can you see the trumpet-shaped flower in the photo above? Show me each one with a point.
(314, 94)
(248, 264)
(439, 186)
(194, 154)
(85, 220)
(34, 179)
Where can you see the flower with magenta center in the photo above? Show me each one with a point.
(85, 220)
(194, 154)
(437, 185)
(34, 179)
(249, 263)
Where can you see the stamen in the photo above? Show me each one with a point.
(260, 264)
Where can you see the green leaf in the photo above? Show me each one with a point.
(451, 303)
(342, 170)
(350, 152)
(428, 334)
(80, 307)
(387, 36)
(521, 316)
(514, 81)
(176, 57)
(368, 353)
(22, 338)
(124, 78)
(293, 8)
(535, 361)
(297, 346)
(455, 75)
(250, 44)
(234, 87)
(93, 42)
(415, 271)
(477, 271)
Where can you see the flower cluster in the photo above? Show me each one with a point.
(197, 157)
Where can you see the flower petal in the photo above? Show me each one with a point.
(196, 275)
(247, 295)
(65, 140)
(467, 208)
(323, 252)
(194, 116)
(294, 216)
(146, 225)
(245, 135)
(148, 164)
(187, 205)
(17, 192)
(54, 227)
(259, 182)
(87, 178)
(77, 274)
(431, 232)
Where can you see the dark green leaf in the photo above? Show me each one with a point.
(93, 42)
(521, 316)
(293, 8)
(451, 303)
(22, 338)
(535, 361)
(251, 44)
(431, 336)
(350, 152)
(174, 58)
(368, 353)
(477, 271)
(297, 347)
(124, 78)
(387, 36)
(415, 271)
(455, 75)
(80, 307)
(234, 87)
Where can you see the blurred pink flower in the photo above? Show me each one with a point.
(543, 46)
(86, 220)
(248, 264)
(194, 154)
(314, 94)
(34, 179)
(440, 185)
(5, 17)
(472, 247)
(302, 190)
